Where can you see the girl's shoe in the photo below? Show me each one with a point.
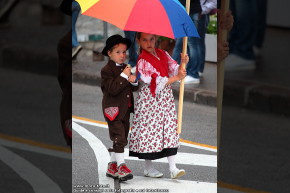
(153, 173)
(176, 173)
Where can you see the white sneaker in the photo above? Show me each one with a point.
(153, 173)
(176, 173)
(237, 63)
(191, 80)
(200, 74)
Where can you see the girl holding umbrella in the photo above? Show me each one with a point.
(154, 131)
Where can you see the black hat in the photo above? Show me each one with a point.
(113, 40)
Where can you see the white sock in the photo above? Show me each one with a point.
(148, 165)
(171, 162)
(113, 157)
(120, 158)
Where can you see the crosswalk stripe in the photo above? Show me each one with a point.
(41, 150)
(101, 153)
(184, 158)
(38, 180)
(145, 184)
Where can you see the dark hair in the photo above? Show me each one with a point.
(138, 36)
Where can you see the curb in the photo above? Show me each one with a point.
(26, 59)
(257, 96)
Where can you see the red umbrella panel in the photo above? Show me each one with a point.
(161, 17)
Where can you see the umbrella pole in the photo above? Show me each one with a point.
(222, 36)
(181, 90)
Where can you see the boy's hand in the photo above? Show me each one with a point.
(127, 71)
(132, 78)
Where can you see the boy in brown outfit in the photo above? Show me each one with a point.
(117, 84)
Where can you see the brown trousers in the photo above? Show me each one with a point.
(118, 130)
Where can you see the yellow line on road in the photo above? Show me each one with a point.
(238, 188)
(90, 120)
(35, 143)
(181, 140)
(199, 144)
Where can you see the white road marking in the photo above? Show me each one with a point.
(185, 186)
(184, 158)
(40, 182)
(106, 127)
(90, 123)
(198, 146)
(101, 153)
(26, 147)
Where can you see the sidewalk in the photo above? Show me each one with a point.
(87, 71)
(268, 87)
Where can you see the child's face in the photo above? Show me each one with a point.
(147, 42)
(118, 53)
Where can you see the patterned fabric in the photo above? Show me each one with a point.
(155, 122)
(111, 112)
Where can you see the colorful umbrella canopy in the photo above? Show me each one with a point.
(161, 17)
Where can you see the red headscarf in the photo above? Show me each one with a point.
(160, 65)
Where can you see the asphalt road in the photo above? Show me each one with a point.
(33, 154)
(91, 138)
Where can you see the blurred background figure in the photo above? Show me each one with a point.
(209, 7)
(199, 12)
(131, 35)
(247, 35)
(194, 46)
(76, 47)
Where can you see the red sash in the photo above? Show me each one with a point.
(160, 65)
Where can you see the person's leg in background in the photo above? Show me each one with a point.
(133, 48)
(242, 36)
(194, 53)
(177, 50)
(202, 27)
(260, 26)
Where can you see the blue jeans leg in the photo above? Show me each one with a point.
(202, 27)
(261, 22)
(133, 48)
(242, 36)
(75, 13)
(194, 51)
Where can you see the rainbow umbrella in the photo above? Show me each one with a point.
(161, 17)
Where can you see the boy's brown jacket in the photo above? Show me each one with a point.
(116, 90)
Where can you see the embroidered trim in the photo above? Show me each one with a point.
(111, 112)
